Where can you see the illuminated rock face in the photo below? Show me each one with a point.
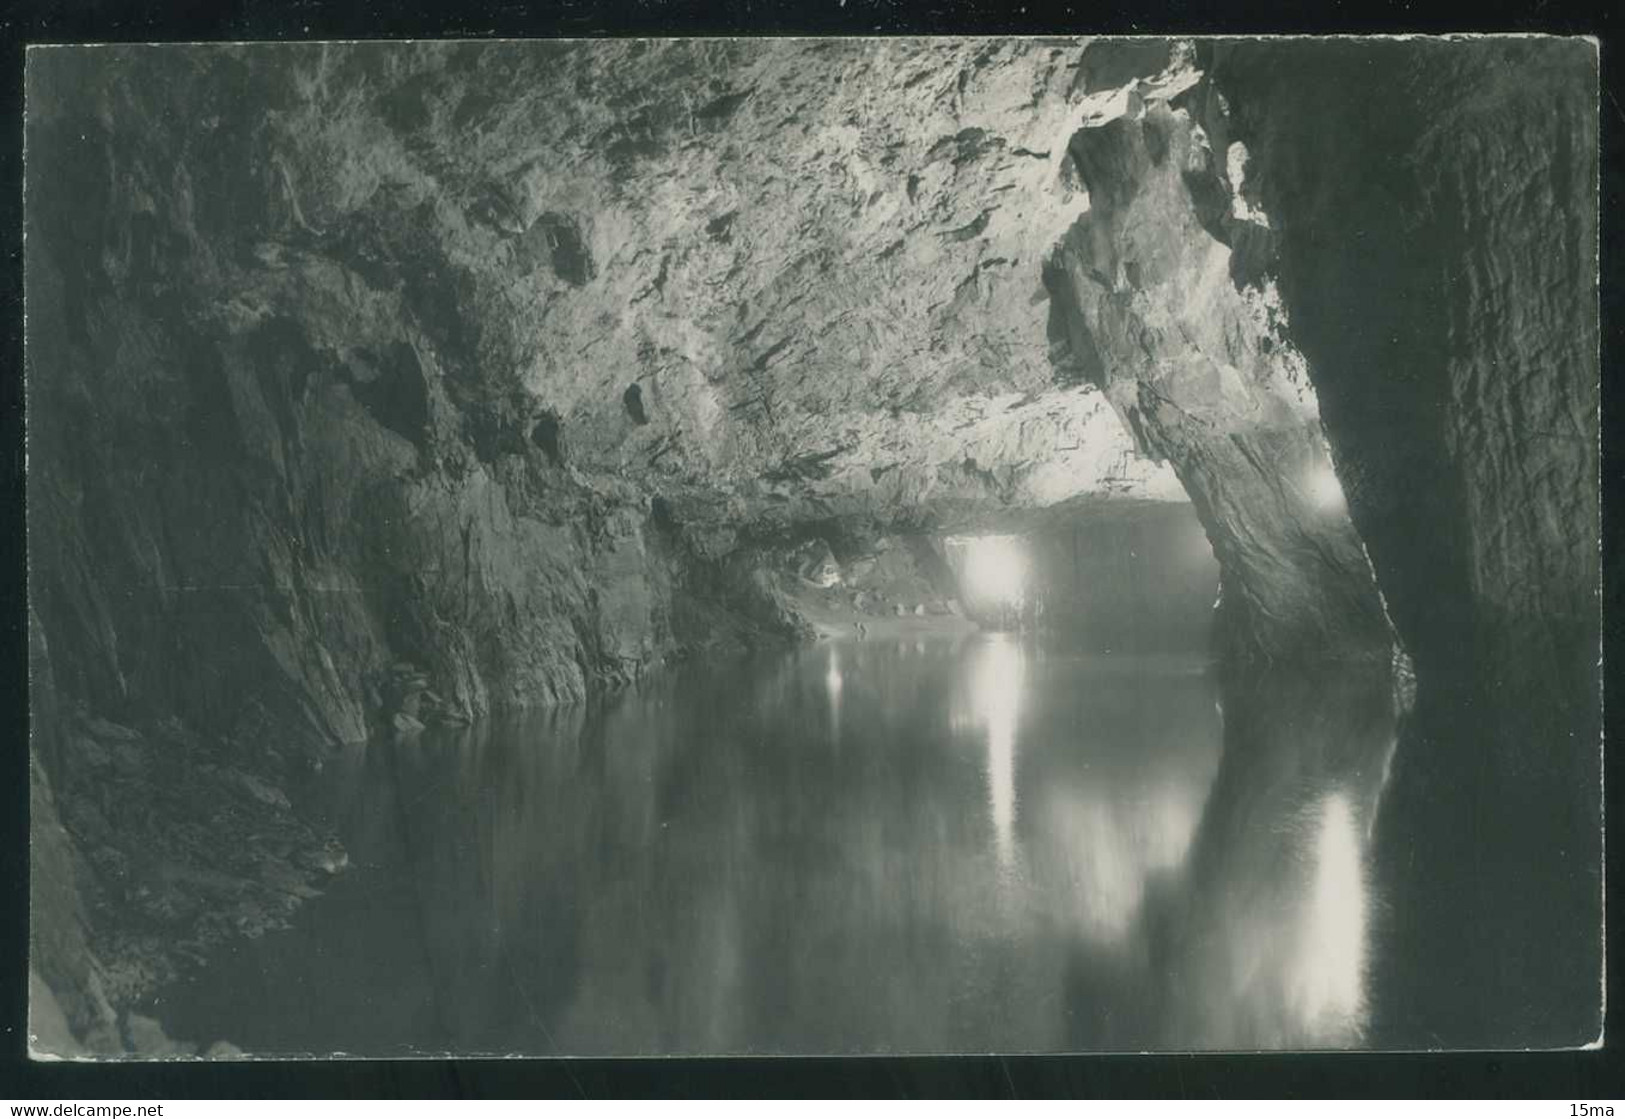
(485, 357)
(1159, 294)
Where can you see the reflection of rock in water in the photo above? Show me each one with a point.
(1115, 813)
(1270, 946)
(1261, 938)
(876, 846)
(995, 693)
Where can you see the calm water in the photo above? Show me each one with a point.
(937, 846)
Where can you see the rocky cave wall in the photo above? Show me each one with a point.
(1419, 220)
(1435, 208)
(355, 362)
(1435, 204)
(1161, 294)
(381, 384)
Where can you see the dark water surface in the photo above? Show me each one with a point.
(907, 846)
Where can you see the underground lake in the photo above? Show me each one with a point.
(812, 546)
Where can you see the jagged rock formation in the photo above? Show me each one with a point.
(1159, 294)
(455, 316)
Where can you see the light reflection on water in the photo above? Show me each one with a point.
(995, 691)
(879, 846)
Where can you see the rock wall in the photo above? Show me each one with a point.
(1435, 205)
(353, 364)
(1160, 294)
(252, 487)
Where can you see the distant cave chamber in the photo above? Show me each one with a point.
(1126, 580)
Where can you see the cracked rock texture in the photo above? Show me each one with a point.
(349, 355)
(1159, 295)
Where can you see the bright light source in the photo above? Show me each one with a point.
(1325, 490)
(995, 568)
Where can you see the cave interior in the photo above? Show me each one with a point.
(381, 394)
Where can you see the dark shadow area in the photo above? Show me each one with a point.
(1133, 582)
(1496, 891)
(632, 399)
